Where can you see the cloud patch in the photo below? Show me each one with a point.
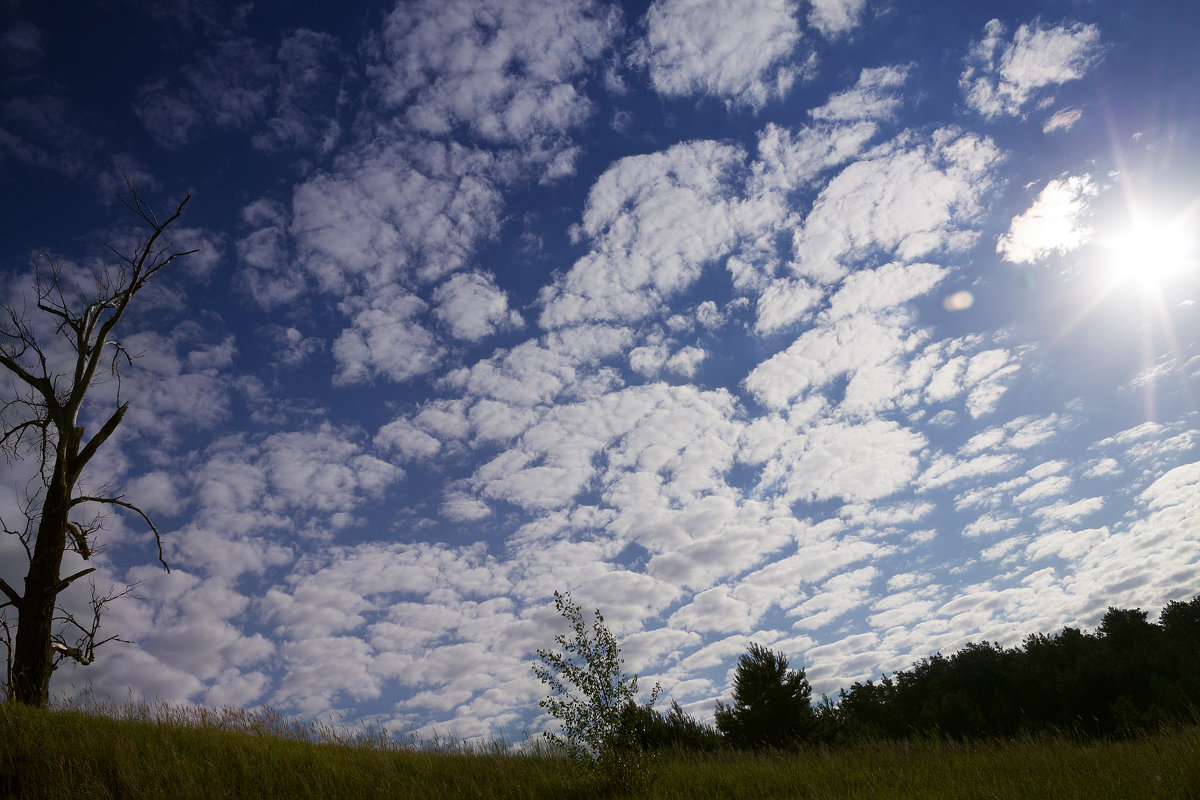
(1005, 77)
(472, 306)
(510, 72)
(742, 54)
(1054, 223)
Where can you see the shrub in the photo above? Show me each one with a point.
(588, 695)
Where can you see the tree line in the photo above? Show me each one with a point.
(1130, 676)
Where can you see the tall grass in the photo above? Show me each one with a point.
(1165, 765)
(158, 751)
(153, 751)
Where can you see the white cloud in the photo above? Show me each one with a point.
(265, 258)
(1046, 469)
(874, 96)
(1066, 544)
(386, 341)
(185, 641)
(1047, 487)
(249, 494)
(1062, 512)
(293, 347)
(446, 418)
(1004, 77)
(1102, 468)
(182, 382)
(708, 315)
(839, 595)
(785, 302)
(320, 670)
(391, 208)
(850, 345)
(1062, 120)
(537, 371)
(405, 438)
(472, 306)
(1176, 487)
(789, 159)
(1155, 373)
(714, 610)
(1053, 223)
(990, 523)
(986, 374)
(655, 221)
(741, 54)
(912, 199)
(1031, 431)
(355, 607)
(836, 17)
(157, 492)
(986, 439)
(882, 288)
(853, 461)
(686, 361)
(648, 359)
(947, 469)
(676, 432)
(461, 507)
(323, 469)
(511, 72)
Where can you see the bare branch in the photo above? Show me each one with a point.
(24, 535)
(65, 582)
(13, 597)
(40, 384)
(11, 438)
(7, 640)
(42, 400)
(79, 542)
(110, 425)
(117, 501)
(84, 650)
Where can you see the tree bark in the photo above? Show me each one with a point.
(33, 660)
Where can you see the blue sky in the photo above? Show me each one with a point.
(857, 329)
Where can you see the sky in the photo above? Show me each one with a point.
(856, 329)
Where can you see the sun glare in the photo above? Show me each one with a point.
(1150, 253)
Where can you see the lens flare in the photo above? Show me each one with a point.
(959, 301)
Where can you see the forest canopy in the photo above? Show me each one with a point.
(1128, 677)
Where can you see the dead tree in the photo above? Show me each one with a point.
(53, 359)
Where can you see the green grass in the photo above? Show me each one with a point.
(154, 752)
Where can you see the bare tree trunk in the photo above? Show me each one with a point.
(46, 406)
(33, 659)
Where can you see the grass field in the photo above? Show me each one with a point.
(157, 752)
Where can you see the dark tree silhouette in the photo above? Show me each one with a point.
(772, 705)
(675, 730)
(1128, 677)
(1181, 621)
(869, 710)
(51, 362)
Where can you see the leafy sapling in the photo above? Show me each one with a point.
(588, 691)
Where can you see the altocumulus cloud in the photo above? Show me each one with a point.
(642, 302)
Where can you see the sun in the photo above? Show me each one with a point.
(1150, 253)
(1150, 256)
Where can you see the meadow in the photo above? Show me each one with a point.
(154, 751)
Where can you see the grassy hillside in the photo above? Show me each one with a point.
(195, 754)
